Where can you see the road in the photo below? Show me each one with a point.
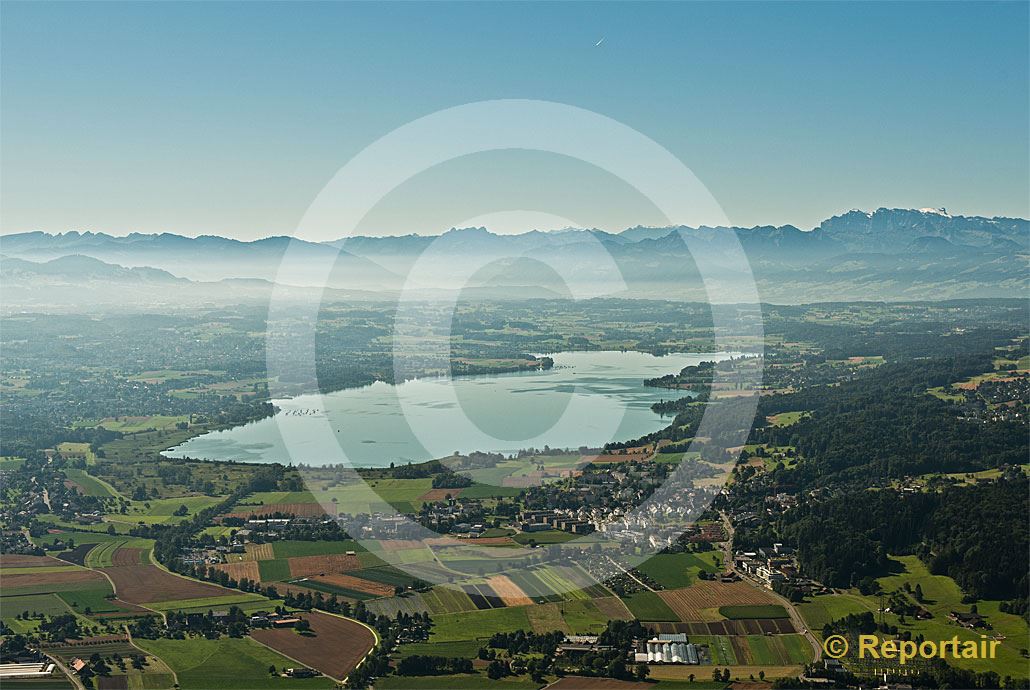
(73, 677)
(792, 611)
(128, 634)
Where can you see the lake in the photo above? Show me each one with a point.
(586, 399)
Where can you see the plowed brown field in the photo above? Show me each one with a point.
(125, 556)
(335, 647)
(240, 570)
(356, 583)
(613, 608)
(138, 584)
(400, 544)
(30, 579)
(434, 495)
(695, 603)
(305, 566)
(17, 560)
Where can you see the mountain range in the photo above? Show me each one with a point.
(888, 254)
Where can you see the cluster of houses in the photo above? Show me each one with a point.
(540, 520)
(210, 556)
(661, 524)
(771, 565)
(968, 620)
(578, 645)
(258, 619)
(264, 619)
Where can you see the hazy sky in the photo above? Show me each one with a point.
(205, 117)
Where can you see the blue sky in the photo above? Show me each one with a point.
(228, 118)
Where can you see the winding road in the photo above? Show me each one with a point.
(792, 611)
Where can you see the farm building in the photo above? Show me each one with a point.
(575, 645)
(968, 620)
(36, 669)
(285, 622)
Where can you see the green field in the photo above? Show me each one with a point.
(941, 595)
(91, 486)
(675, 570)
(53, 588)
(522, 467)
(787, 418)
(409, 603)
(756, 611)
(676, 458)
(719, 648)
(820, 610)
(226, 664)
(556, 582)
(488, 491)
(161, 510)
(463, 648)
(9, 462)
(274, 570)
(648, 606)
(778, 650)
(49, 604)
(205, 603)
(583, 617)
(447, 600)
(550, 536)
(386, 575)
(453, 627)
(95, 599)
(102, 555)
(155, 675)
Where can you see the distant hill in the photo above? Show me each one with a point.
(886, 254)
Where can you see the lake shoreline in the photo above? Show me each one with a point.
(424, 419)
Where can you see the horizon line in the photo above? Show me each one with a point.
(924, 210)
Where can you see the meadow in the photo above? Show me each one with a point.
(673, 570)
(941, 596)
(648, 606)
(227, 664)
(455, 627)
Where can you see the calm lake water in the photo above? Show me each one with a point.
(587, 399)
